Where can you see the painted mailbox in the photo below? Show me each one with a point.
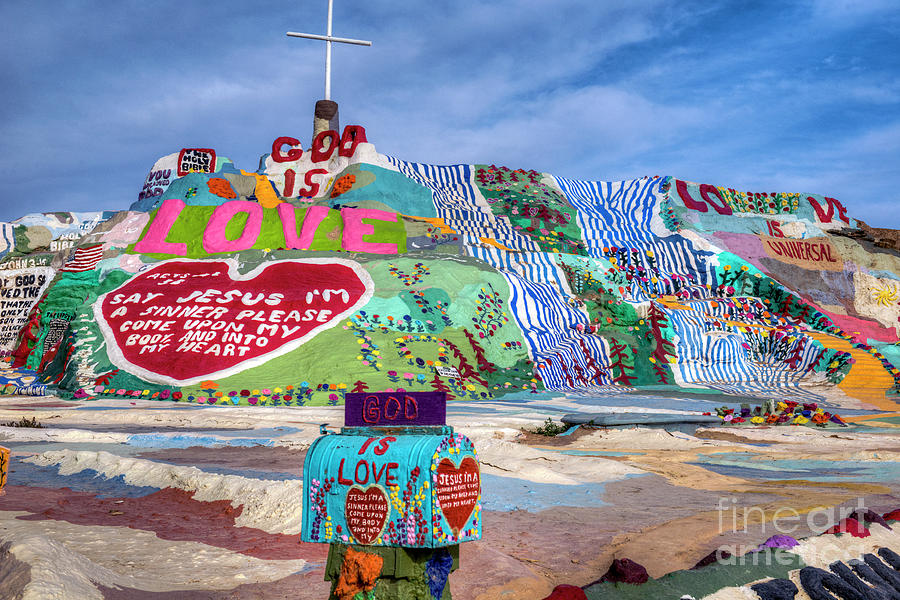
(410, 487)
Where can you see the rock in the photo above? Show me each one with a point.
(567, 592)
(625, 570)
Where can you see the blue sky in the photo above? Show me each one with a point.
(758, 96)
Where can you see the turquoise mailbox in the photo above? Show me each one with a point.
(409, 487)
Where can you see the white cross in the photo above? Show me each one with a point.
(328, 38)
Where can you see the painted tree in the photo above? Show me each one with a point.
(104, 378)
(579, 374)
(793, 360)
(438, 385)
(664, 349)
(466, 371)
(619, 353)
(600, 373)
(803, 315)
(565, 371)
(359, 387)
(484, 364)
(815, 363)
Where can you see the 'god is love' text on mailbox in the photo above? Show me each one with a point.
(413, 487)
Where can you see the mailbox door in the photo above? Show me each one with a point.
(455, 491)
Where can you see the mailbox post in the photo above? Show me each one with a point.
(394, 494)
(4, 467)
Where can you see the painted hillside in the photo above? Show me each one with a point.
(335, 269)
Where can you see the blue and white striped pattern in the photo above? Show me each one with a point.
(453, 191)
(452, 184)
(613, 211)
(544, 309)
(718, 360)
(620, 213)
(538, 267)
(548, 323)
(458, 202)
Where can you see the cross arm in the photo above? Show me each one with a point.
(329, 38)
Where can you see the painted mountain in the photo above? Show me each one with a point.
(336, 269)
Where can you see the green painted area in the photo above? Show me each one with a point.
(891, 351)
(390, 343)
(321, 371)
(535, 209)
(63, 299)
(414, 323)
(735, 571)
(74, 294)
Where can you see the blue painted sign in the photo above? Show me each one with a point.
(395, 409)
(412, 489)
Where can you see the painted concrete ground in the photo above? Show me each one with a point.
(140, 499)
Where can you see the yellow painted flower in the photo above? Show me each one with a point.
(757, 420)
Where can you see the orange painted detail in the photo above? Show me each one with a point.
(264, 192)
(672, 302)
(875, 417)
(221, 188)
(494, 243)
(359, 573)
(343, 184)
(867, 380)
(434, 221)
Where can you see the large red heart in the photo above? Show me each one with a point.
(366, 512)
(183, 321)
(457, 490)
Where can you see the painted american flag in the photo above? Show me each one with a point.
(85, 259)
